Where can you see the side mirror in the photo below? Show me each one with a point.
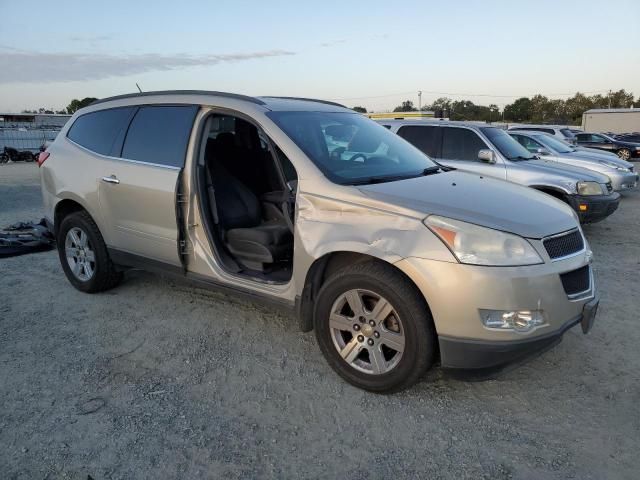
(543, 151)
(487, 156)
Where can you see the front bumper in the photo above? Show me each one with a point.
(624, 181)
(483, 355)
(457, 292)
(593, 208)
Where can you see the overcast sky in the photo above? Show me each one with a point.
(371, 53)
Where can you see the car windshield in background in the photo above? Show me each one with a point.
(351, 149)
(554, 144)
(506, 144)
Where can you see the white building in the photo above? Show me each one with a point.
(616, 120)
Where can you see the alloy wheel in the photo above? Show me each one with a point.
(80, 255)
(367, 331)
(624, 154)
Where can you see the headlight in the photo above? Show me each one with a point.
(482, 246)
(589, 188)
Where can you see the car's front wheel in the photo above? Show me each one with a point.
(83, 254)
(374, 327)
(624, 153)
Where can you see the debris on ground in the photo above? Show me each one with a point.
(25, 237)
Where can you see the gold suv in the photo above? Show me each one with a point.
(396, 261)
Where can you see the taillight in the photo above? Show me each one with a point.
(42, 157)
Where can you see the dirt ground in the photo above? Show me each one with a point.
(157, 379)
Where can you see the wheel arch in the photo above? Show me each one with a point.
(68, 205)
(322, 268)
(553, 191)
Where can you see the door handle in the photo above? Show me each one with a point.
(111, 179)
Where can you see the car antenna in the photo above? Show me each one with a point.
(139, 89)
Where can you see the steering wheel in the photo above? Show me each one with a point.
(358, 155)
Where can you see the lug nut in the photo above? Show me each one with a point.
(370, 341)
(356, 327)
(376, 334)
(372, 323)
(360, 338)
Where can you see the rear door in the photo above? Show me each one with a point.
(138, 189)
(460, 147)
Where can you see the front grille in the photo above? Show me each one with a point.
(576, 281)
(563, 245)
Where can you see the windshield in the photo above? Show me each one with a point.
(351, 149)
(506, 144)
(554, 144)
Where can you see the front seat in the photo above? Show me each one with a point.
(254, 242)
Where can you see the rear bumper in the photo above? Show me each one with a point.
(487, 355)
(596, 207)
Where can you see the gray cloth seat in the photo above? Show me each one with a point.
(253, 241)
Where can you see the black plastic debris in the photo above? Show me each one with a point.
(25, 237)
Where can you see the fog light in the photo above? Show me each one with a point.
(519, 321)
(583, 208)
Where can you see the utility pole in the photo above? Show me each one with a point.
(420, 100)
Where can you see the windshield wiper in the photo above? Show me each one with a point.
(520, 157)
(431, 170)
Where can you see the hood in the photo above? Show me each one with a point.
(597, 157)
(568, 171)
(480, 200)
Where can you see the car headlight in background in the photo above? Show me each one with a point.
(477, 245)
(589, 188)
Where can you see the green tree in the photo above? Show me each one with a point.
(359, 109)
(78, 104)
(576, 106)
(407, 106)
(518, 111)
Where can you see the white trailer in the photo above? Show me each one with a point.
(616, 120)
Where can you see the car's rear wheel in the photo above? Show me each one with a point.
(374, 327)
(83, 254)
(624, 153)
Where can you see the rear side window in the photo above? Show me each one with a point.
(425, 138)
(567, 133)
(159, 134)
(98, 131)
(461, 144)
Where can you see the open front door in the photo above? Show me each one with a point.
(139, 193)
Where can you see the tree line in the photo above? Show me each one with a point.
(73, 106)
(535, 109)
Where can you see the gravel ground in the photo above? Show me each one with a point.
(157, 379)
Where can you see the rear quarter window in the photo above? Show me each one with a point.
(160, 134)
(98, 131)
(425, 138)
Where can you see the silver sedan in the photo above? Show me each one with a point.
(621, 172)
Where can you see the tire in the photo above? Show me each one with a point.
(624, 153)
(406, 315)
(94, 271)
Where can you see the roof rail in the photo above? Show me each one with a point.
(181, 92)
(326, 102)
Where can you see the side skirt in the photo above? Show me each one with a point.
(126, 260)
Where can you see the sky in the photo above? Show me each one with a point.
(370, 53)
